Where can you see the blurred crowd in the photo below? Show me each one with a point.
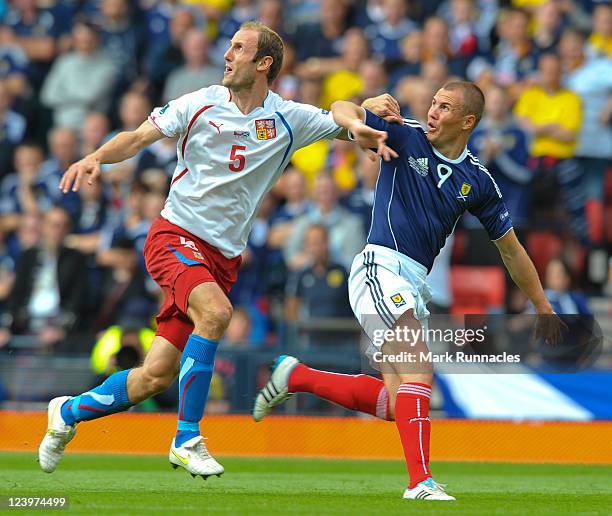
(74, 73)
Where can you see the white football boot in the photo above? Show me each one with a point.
(427, 490)
(58, 435)
(276, 390)
(195, 458)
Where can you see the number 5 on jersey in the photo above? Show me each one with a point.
(237, 160)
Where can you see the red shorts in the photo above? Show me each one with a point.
(179, 261)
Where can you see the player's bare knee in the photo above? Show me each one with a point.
(212, 321)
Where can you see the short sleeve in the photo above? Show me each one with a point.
(313, 124)
(491, 210)
(172, 119)
(398, 134)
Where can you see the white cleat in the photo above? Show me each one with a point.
(427, 490)
(58, 435)
(276, 390)
(194, 457)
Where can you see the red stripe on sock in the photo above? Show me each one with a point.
(93, 409)
(414, 427)
(191, 379)
(354, 392)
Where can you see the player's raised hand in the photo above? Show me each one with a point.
(550, 327)
(385, 106)
(74, 175)
(370, 138)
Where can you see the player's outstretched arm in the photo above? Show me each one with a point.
(524, 274)
(351, 116)
(119, 148)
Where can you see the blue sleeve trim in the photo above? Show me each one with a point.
(288, 127)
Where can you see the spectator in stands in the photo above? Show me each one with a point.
(436, 45)
(361, 198)
(410, 65)
(548, 24)
(271, 13)
(600, 40)
(346, 233)
(387, 34)
(27, 190)
(64, 151)
(13, 67)
(436, 73)
(415, 94)
(513, 59)
(81, 80)
(552, 116)
(123, 283)
(592, 80)
(7, 279)
(120, 38)
(46, 300)
(35, 30)
(197, 72)
(238, 333)
(341, 77)
(241, 11)
(164, 54)
(323, 38)
(374, 79)
(95, 129)
(320, 289)
(463, 34)
(502, 146)
(560, 290)
(134, 108)
(89, 220)
(12, 129)
(296, 204)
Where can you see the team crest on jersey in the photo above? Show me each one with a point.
(198, 255)
(265, 129)
(466, 188)
(398, 300)
(421, 165)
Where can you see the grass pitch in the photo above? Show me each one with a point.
(134, 485)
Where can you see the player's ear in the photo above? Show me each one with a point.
(469, 122)
(264, 63)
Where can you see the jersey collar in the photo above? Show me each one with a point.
(442, 156)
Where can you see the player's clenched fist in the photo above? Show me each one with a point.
(74, 175)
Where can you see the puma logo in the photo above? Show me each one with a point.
(217, 127)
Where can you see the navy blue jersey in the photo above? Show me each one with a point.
(421, 194)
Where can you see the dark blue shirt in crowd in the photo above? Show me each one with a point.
(509, 167)
(421, 194)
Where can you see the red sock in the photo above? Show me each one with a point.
(355, 392)
(412, 420)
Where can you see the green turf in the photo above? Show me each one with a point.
(126, 485)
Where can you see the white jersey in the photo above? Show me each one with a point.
(227, 160)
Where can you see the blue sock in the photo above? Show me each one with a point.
(197, 365)
(107, 398)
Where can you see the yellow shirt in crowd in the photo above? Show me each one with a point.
(540, 107)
